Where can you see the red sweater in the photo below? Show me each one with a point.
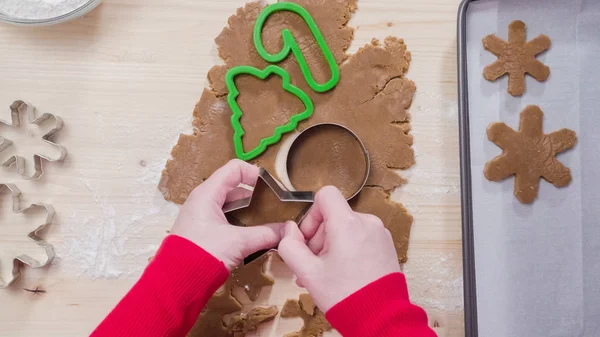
(182, 277)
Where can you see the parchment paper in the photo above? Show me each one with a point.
(538, 266)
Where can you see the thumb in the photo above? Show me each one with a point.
(260, 237)
(294, 251)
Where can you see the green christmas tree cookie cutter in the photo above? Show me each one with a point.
(237, 112)
(290, 45)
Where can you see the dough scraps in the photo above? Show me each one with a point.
(372, 99)
(320, 156)
(252, 277)
(516, 57)
(210, 322)
(244, 323)
(314, 319)
(529, 154)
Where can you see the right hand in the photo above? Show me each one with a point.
(337, 251)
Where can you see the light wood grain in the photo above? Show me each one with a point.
(125, 79)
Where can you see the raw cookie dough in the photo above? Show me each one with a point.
(252, 277)
(314, 319)
(326, 155)
(516, 57)
(244, 323)
(265, 207)
(210, 322)
(372, 99)
(529, 154)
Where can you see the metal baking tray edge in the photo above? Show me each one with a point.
(470, 291)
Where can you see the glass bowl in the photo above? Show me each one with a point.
(77, 13)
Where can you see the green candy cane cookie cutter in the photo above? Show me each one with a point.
(289, 46)
(238, 130)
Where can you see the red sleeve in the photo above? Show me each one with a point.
(169, 296)
(380, 309)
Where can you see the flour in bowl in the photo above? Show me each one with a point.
(38, 9)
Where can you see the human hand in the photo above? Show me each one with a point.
(201, 219)
(346, 250)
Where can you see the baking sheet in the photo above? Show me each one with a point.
(538, 266)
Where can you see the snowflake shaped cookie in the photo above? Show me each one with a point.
(516, 57)
(22, 259)
(529, 154)
(17, 110)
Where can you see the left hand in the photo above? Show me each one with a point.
(201, 219)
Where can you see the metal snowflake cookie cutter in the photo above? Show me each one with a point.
(22, 260)
(16, 109)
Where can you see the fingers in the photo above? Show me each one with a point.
(317, 242)
(262, 237)
(294, 252)
(312, 221)
(227, 178)
(369, 219)
(238, 193)
(329, 204)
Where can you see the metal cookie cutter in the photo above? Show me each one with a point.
(287, 193)
(282, 194)
(296, 139)
(21, 260)
(16, 109)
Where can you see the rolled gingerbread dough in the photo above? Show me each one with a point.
(372, 99)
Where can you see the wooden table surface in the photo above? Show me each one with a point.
(125, 79)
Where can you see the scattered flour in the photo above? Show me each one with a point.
(442, 288)
(118, 242)
(39, 9)
(127, 221)
(434, 276)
